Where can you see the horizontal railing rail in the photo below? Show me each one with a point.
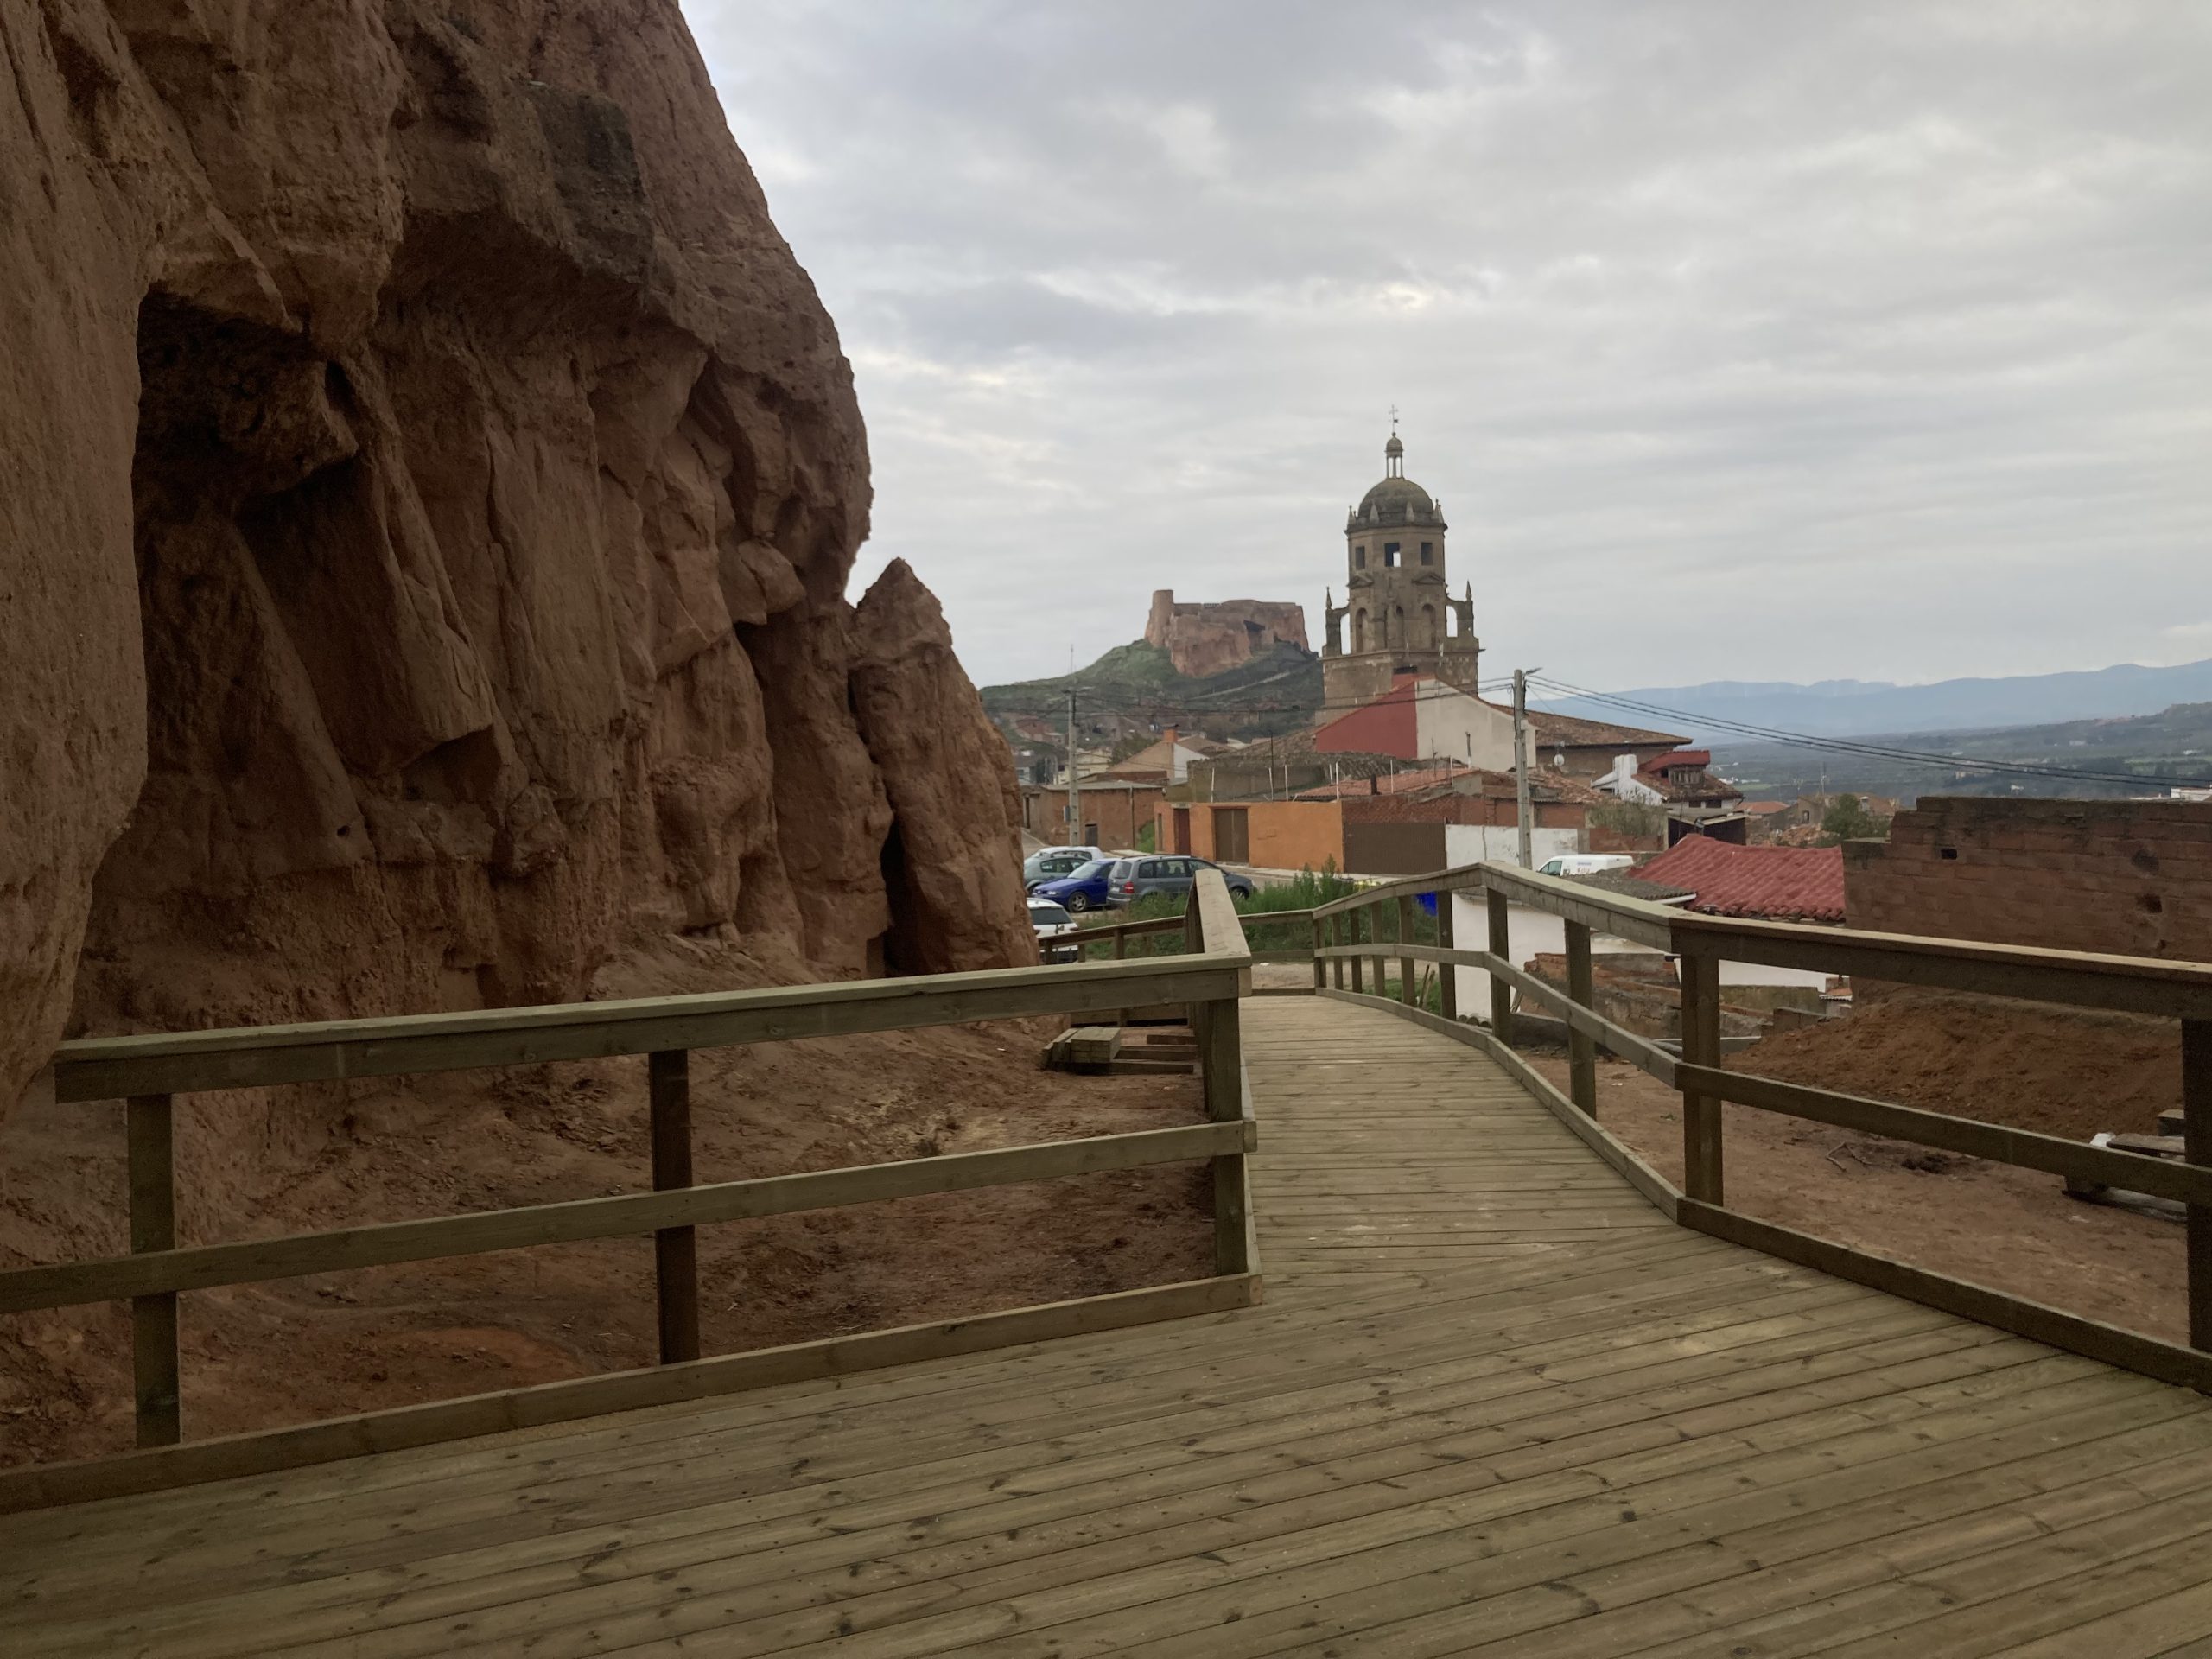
(150, 1071)
(206, 1266)
(1354, 942)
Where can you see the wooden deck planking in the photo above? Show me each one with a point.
(1493, 1400)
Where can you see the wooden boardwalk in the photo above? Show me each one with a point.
(1493, 1403)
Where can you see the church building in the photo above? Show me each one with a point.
(1398, 616)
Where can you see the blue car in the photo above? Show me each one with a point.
(1084, 889)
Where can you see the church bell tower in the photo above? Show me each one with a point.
(1398, 615)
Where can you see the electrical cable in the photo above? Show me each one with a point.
(1868, 751)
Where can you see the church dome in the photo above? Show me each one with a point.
(1397, 499)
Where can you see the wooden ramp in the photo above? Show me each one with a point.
(1493, 1403)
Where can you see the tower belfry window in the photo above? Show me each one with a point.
(1390, 556)
(1359, 558)
(1429, 552)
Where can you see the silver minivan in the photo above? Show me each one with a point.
(1132, 879)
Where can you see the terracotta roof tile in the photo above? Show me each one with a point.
(1631, 884)
(1797, 884)
(1575, 733)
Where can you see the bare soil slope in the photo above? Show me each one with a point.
(294, 1160)
(2053, 1070)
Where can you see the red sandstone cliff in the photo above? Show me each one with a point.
(428, 486)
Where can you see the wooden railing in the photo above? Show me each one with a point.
(1094, 941)
(150, 1072)
(1351, 952)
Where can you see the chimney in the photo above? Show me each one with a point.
(1169, 733)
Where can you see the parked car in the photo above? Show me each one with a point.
(1054, 927)
(1051, 863)
(1583, 863)
(1132, 879)
(1083, 888)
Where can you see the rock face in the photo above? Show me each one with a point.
(430, 488)
(1204, 640)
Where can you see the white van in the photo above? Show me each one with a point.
(1584, 863)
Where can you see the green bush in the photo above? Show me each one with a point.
(1307, 890)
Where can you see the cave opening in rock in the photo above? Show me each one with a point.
(896, 949)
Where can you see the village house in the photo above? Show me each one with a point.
(1592, 748)
(1112, 812)
(1421, 719)
(1163, 761)
(1381, 824)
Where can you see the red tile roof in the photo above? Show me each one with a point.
(1792, 884)
(1700, 758)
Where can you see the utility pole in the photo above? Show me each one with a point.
(1523, 812)
(1074, 818)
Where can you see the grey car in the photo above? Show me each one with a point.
(1054, 862)
(1133, 879)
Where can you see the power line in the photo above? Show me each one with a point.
(1869, 751)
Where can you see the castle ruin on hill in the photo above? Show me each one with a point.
(1204, 640)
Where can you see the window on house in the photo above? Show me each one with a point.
(1390, 555)
(1429, 552)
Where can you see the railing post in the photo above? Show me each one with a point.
(1216, 1029)
(150, 1133)
(1221, 1060)
(2196, 1132)
(1408, 992)
(1379, 963)
(1320, 966)
(1581, 1048)
(1701, 1176)
(1358, 963)
(1447, 973)
(1501, 946)
(676, 1250)
(1339, 934)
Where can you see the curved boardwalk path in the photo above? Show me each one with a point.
(1493, 1403)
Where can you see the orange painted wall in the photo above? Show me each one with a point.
(1285, 835)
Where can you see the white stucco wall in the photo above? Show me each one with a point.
(1537, 933)
(1474, 733)
(1468, 843)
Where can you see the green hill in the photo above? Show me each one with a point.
(1276, 692)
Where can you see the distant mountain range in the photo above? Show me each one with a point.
(1864, 707)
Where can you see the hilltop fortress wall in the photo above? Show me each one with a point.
(1204, 640)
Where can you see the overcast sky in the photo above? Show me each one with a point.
(1739, 341)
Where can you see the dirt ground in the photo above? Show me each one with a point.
(260, 1163)
(2053, 1070)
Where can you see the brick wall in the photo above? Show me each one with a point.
(1387, 849)
(1603, 838)
(2132, 878)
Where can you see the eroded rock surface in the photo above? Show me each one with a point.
(1206, 639)
(430, 488)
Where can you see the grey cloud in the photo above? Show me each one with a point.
(1767, 342)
